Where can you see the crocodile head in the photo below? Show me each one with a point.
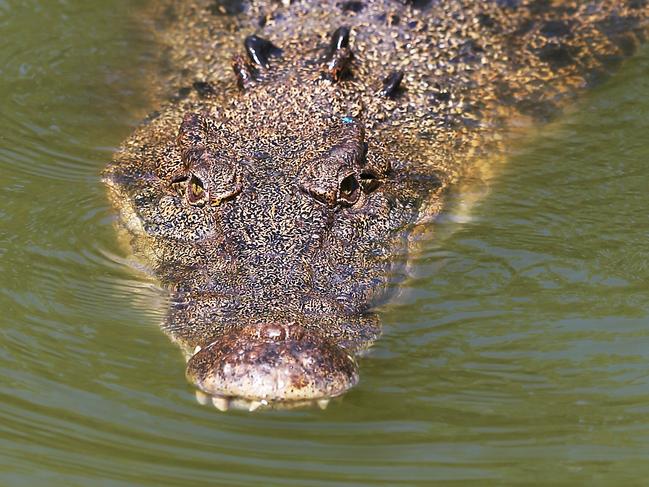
(278, 215)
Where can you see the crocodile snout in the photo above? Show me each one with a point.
(273, 363)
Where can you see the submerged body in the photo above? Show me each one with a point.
(278, 196)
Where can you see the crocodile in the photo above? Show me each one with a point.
(306, 148)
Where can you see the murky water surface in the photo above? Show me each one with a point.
(520, 355)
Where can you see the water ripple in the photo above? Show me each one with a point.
(518, 351)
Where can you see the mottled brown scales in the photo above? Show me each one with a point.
(275, 193)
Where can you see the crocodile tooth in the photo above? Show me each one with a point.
(221, 403)
(323, 403)
(254, 405)
(197, 349)
(202, 398)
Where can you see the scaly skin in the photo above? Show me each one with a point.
(277, 203)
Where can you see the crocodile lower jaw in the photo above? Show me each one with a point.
(224, 403)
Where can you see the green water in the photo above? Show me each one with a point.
(520, 356)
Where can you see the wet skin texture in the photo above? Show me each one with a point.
(277, 193)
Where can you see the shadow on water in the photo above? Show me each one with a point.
(520, 353)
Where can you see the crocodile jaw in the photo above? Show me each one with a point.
(272, 363)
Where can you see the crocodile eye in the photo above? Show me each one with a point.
(348, 190)
(335, 178)
(196, 194)
(330, 183)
